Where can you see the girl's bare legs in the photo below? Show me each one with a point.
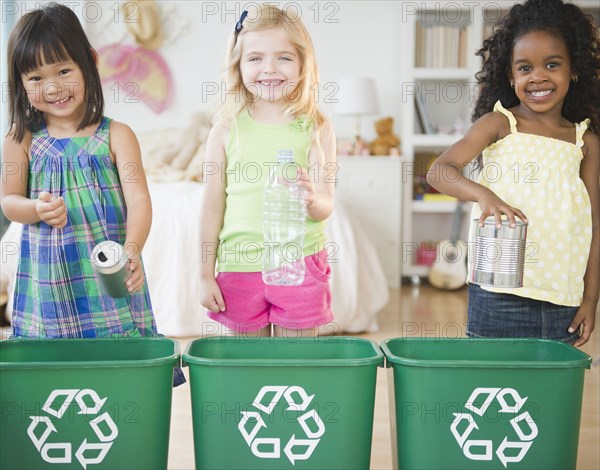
(277, 331)
(265, 332)
(287, 333)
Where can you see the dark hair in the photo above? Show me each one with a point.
(563, 20)
(52, 33)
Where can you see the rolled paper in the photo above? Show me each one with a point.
(110, 261)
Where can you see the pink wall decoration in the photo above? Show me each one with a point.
(141, 73)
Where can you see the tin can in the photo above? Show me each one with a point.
(498, 255)
(110, 261)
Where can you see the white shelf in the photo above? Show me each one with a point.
(588, 4)
(415, 270)
(372, 188)
(434, 141)
(423, 220)
(440, 73)
(432, 207)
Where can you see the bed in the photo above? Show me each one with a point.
(172, 254)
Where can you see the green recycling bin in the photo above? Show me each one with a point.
(277, 403)
(484, 403)
(86, 403)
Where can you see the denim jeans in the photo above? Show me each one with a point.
(497, 315)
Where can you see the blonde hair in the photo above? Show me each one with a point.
(302, 101)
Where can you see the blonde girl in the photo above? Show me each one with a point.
(270, 77)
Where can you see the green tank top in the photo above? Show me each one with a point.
(251, 152)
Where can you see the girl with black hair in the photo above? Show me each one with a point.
(73, 178)
(536, 123)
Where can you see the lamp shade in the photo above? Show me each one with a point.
(356, 96)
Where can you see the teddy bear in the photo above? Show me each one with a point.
(386, 139)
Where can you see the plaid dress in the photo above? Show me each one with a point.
(57, 294)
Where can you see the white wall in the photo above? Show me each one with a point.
(351, 37)
(345, 46)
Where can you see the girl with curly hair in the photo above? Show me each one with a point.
(536, 121)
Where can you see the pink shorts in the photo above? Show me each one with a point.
(252, 305)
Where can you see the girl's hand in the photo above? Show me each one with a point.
(492, 205)
(211, 296)
(584, 319)
(310, 197)
(136, 280)
(51, 210)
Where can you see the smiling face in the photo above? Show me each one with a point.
(541, 70)
(269, 65)
(57, 90)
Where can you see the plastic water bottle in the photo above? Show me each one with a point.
(284, 224)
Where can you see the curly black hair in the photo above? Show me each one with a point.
(564, 20)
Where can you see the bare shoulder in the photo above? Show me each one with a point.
(325, 152)
(591, 144)
(11, 134)
(489, 128)
(219, 133)
(327, 131)
(120, 131)
(496, 121)
(217, 143)
(326, 135)
(494, 117)
(11, 146)
(124, 145)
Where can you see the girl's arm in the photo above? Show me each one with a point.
(213, 211)
(590, 174)
(13, 188)
(126, 150)
(446, 176)
(319, 181)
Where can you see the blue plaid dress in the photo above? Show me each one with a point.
(57, 294)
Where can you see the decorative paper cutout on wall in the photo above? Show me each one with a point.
(145, 69)
(144, 24)
(140, 72)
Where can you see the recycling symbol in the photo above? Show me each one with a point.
(508, 451)
(42, 427)
(270, 447)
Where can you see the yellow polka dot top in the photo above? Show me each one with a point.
(540, 176)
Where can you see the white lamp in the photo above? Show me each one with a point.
(356, 96)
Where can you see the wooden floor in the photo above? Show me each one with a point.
(411, 311)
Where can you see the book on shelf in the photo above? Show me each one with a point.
(440, 45)
(423, 116)
(419, 40)
(488, 30)
(438, 197)
(462, 47)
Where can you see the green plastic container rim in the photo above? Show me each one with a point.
(174, 358)
(376, 359)
(584, 361)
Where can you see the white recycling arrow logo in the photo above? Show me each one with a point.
(483, 449)
(88, 453)
(298, 447)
